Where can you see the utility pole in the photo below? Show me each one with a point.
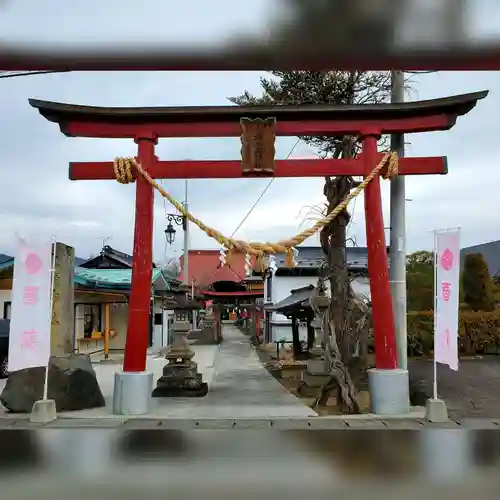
(186, 238)
(185, 220)
(397, 271)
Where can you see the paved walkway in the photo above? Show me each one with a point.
(243, 388)
(239, 387)
(242, 394)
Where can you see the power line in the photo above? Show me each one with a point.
(13, 74)
(253, 206)
(263, 192)
(352, 215)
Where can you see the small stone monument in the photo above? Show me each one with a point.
(316, 373)
(180, 375)
(206, 334)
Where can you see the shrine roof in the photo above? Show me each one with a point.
(205, 268)
(310, 257)
(61, 112)
(298, 299)
(107, 252)
(235, 294)
(109, 277)
(183, 302)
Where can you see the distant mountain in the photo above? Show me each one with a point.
(4, 257)
(79, 261)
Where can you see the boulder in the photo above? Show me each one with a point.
(72, 384)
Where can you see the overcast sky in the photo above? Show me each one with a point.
(38, 198)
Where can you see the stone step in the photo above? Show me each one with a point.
(315, 381)
(316, 366)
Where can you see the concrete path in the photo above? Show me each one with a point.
(243, 388)
(205, 357)
(239, 387)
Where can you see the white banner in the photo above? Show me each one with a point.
(447, 273)
(29, 339)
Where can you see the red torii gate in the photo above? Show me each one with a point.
(146, 125)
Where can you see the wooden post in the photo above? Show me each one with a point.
(106, 330)
(311, 333)
(142, 265)
(383, 319)
(216, 321)
(255, 328)
(295, 337)
(257, 323)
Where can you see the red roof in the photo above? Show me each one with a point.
(204, 268)
(209, 293)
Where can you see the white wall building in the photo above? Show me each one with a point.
(309, 261)
(101, 304)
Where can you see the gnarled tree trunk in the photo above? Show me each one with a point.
(333, 241)
(346, 320)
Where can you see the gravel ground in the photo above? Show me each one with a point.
(473, 391)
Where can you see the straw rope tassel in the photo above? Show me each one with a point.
(124, 167)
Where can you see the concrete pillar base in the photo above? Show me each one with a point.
(389, 391)
(43, 411)
(435, 411)
(132, 393)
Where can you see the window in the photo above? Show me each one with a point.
(7, 306)
(91, 319)
(158, 319)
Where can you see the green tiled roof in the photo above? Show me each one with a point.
(108, 277)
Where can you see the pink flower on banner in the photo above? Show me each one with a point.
(30, 295)
(446, 291)
(447, 258)
(447, 337)
(33, 264)
(29, 339)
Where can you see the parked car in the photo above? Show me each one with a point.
(4, 347)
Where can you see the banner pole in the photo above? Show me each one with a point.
(51, 306)
(434, 385)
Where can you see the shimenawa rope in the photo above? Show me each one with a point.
(123, 168)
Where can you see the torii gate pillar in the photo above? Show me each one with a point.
(140, 294)
(388, 384)
(133, 386)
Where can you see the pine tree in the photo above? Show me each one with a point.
(420, 281)
(477, 283)
(338, 88)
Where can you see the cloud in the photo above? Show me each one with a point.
(37, 196)
(121, 22)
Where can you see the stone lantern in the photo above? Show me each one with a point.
(180, 375)
(316, 373)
